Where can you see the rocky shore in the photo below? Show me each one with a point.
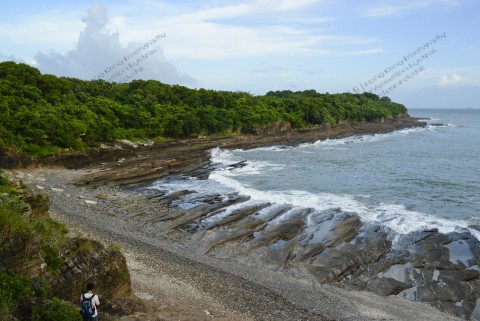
(251, 263)
(188, 285)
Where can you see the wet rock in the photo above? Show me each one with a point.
(276, 211)
(210, 199)
(238, 214)
(237, 165)
(474, 227)
(197, 212)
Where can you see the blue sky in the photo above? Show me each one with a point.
(259, 45)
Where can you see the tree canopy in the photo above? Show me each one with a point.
(45, 114)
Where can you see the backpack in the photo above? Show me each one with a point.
(88, 309)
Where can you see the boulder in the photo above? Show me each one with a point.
(386, 286)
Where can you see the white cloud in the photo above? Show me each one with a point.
(446, 80)
(250, 29)
(459, 76)
(402, 7)
(51, 29)
(98, 49)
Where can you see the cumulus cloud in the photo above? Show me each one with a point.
(99, 52)
(446, 80)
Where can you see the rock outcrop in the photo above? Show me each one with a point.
(334, 247)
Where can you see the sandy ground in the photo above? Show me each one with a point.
(180, 285)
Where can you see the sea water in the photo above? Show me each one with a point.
(408, 180)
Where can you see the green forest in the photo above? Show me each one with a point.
(45, 114)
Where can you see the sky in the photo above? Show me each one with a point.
(422, 53)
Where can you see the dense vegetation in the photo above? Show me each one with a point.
(23, 297)
(44, 114)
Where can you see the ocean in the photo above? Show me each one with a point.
(408, 180)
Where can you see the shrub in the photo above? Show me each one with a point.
(13, 289)
(3, 179)
(54, 310)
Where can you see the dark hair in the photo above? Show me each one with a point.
(90, 286)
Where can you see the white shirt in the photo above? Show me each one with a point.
(95, 301)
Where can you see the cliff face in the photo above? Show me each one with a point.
(89, 261)
(35, 252)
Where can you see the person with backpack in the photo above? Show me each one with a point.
(89, 304)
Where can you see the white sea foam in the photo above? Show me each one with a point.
(278, 148)
(396, 217)
(250, 167)
(296, 198)
(223, 156)
(403, 221)
(363, 139)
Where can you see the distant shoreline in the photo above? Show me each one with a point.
(125, 164)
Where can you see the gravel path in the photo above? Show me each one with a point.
(202, 286)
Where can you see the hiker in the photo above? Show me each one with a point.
(89, 304)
